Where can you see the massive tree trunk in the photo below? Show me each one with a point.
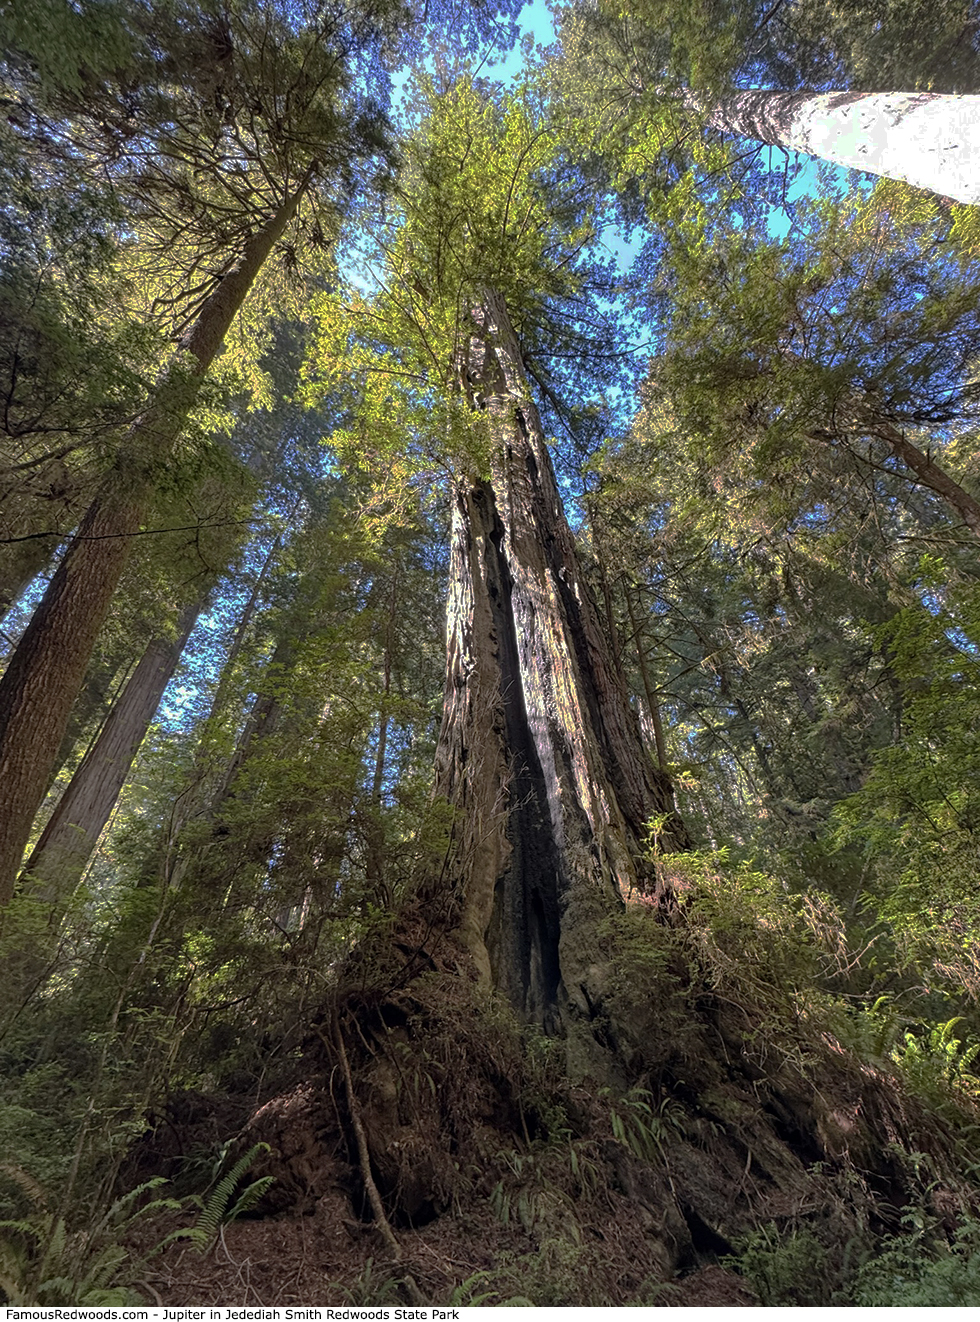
(924, 138)
(68, 841)
(48, 667)
(539, 750)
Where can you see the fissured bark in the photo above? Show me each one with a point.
(540, 750)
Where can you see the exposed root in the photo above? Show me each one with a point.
(364, 1160)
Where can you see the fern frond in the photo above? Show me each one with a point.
(193, 1233)
(22, 1228)
(115, 1212)
(54, 1250)
(60, 1288)
(215, 1211)
(102, 1268)
(250, 1197)
(25, 1182)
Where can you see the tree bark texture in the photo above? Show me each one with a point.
(539, 749)
(927, 139)
(68, 841)
(48, 667)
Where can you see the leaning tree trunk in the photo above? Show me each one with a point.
(923, 138)
(539, 750)
(48, 667)
(68, 841)
(854, 407)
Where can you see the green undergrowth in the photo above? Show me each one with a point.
(52, 1256)
(737, 1077)
(920, 1267)
(791, 976)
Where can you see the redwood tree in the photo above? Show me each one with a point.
(72, 832)
(251, 121)
(653, 80)
(540, 751)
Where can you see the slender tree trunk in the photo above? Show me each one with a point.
(91, 709)
(67, 842)
(193, 798)
(649, 691)
(235, 651)
(48, 667)
(931, 475)
(927, 139)
(262, 720)
(539, 748)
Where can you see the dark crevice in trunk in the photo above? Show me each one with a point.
(523, 935)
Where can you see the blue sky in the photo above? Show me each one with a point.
(536, 19)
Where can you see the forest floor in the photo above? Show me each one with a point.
(326, 1259)
(503, 1180)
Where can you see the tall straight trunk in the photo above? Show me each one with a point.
(192, 798)
(68, 841)
(539, 748)
(48, 667)
(928, 139)
(374, 830)
(234, 652)
(91, 710)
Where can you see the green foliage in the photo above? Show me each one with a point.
(911, 1272)
(44, 1263)
(44, 1260)
(643, 1125)
(227, 1200)
(867, 45)
(375, 1285)
(485, 202)
(743, 925)
(785, 1271)
(936, 1063)
(917, 1268)
(755, 539)
(470, 1294)
(917, 811)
